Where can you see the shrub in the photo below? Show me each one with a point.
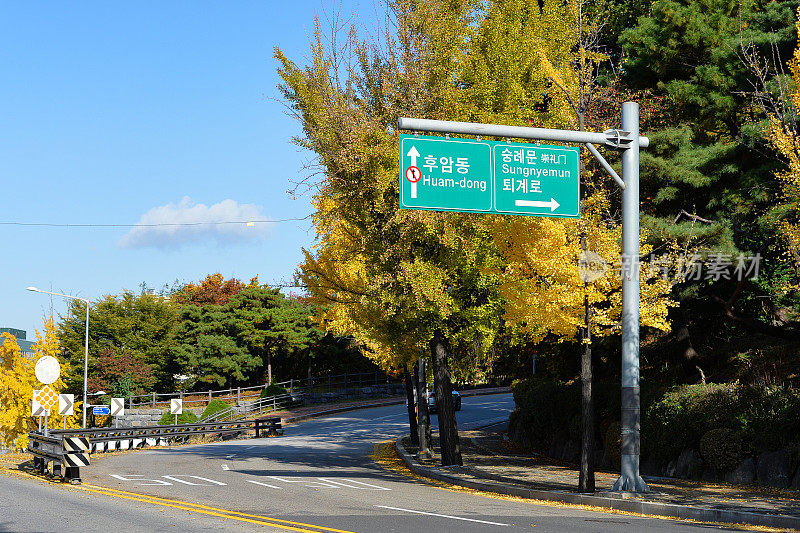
(550, 411)
(186, 417)
(214, 406)
(764, 418)
(272, 389)
(723, 449)
(545, 409)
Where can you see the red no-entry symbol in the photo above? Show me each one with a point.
(413, 174)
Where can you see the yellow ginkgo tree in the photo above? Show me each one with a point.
(542, 285)
(16, 391)
(785, 136)
(399, 279)
(17, 383)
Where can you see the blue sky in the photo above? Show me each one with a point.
(147, 112)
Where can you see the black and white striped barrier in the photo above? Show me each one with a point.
(67, 455)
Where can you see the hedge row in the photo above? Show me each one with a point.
(747, 419)
(755, 419)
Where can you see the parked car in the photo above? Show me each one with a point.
(432, 400)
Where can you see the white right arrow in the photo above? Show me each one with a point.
(413, 154)
(65, 403)
(552, 204)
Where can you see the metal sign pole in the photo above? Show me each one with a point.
(629, 142)
(85, 363)
(629, 479)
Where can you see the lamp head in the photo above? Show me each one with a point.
(33, 289)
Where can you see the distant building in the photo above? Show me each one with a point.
(25, 345)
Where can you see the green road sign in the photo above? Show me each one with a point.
(489, 177)
(448, 175)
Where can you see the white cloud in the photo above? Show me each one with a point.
(171, 225)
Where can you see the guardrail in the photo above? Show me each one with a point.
(270, 403)
(70, 449)
(167, 432)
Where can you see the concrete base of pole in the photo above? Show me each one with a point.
(629, 479)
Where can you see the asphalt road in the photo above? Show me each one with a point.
(319, 477)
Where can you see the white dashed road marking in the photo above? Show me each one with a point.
(263, 484)
(198, 481)
(349, 484)
(178, 480)
(443, 515)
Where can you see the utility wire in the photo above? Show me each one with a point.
(164, 224)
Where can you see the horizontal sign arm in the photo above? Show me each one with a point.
(614, 138)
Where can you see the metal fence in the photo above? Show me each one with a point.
(260, 406)
(329, 383)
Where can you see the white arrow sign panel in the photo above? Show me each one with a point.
(175, 407)
(117, 406)
(65, 404)
(552, 204)
(36, 408)
(413, 154)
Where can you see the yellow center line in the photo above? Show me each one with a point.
(213, 511)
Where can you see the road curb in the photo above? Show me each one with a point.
(484, 392)
(320, 414)
(667, 510)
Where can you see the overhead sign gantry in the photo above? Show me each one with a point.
(475, 189)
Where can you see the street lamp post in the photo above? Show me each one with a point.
(86, 344)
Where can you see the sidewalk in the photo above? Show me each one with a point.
(493, 464)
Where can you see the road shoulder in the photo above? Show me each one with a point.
(476, 479)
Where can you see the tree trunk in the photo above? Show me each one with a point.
(586, 477)
(412, 415)
(269, 368)
(423, 416)
(448, 428)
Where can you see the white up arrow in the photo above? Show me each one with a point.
(552, 204)
(413, 154)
